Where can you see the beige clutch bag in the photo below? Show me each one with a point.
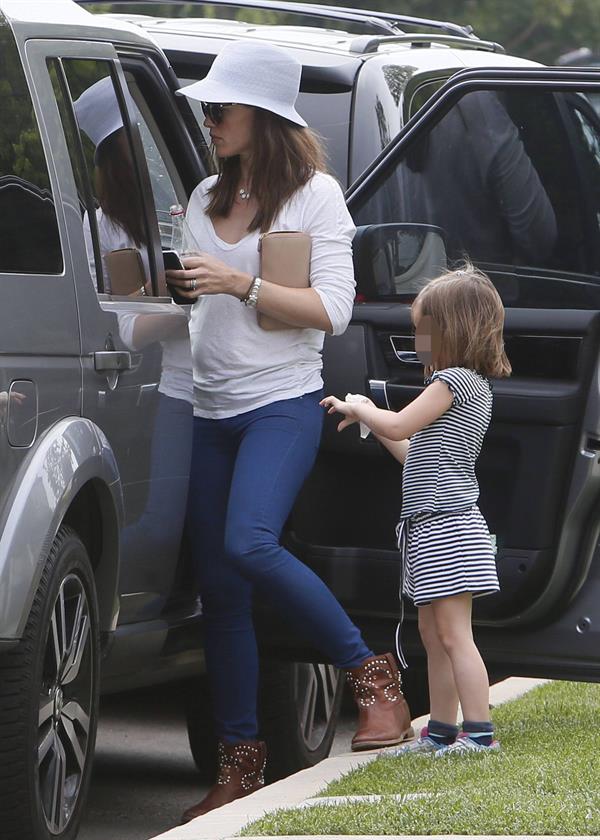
(126, 271)
(285, 260)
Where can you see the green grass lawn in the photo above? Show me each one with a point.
(545, 780)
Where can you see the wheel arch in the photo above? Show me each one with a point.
(92, 514)
(71, 475)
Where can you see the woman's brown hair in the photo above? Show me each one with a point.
(283, 159)
(117, 186)
(468, 312)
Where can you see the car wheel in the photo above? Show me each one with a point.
(299, 710)
(299, 705)
(49, 702)
(200, 729)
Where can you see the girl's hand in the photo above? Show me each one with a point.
(206, 275)
(333, 406)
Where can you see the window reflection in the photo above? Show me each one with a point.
(28, 226)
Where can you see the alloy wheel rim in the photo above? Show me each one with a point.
(316, 690)
(65, 705)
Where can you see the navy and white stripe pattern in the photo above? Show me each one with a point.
(448, 554)
(439, 472)
(446, 543)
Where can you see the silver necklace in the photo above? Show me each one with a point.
(243, 193)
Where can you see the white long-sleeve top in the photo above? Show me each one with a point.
(238, 366)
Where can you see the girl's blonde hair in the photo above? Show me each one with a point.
(468, 312)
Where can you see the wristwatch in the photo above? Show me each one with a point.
(251, 298)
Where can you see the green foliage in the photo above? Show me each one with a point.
(543, 782)
(541, 30)
(167, 10)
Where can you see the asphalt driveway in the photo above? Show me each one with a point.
(144, 776)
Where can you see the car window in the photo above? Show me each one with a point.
(328, 114)
(167, 188)
(415, 99)
(511, 179)
(28, 224)
(113, 220)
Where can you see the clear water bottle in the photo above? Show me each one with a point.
(177, 214)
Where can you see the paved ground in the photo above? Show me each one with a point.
(144, 776)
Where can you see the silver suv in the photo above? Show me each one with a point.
(96, 592)
(485, 155)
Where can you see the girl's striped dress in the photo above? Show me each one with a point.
(444, 539)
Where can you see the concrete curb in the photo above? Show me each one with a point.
(292, 792)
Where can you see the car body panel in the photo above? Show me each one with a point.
(57, 18)
(58, 362)
(128, 406)
(71, 454)
(538, 470)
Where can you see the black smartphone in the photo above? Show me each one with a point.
(172, 262)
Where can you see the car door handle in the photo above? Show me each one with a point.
(407, 357)
(108, 360)
(378, 393)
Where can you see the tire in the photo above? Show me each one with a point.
(49, 702)
(200, 729)
(299, 706)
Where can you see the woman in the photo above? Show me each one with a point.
(256, 401)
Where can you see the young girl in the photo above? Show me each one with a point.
(447, 554)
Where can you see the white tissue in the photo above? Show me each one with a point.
(355, 398)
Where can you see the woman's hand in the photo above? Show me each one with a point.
(206, 275)
(333, 406)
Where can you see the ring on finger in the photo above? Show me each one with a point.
(193, 284)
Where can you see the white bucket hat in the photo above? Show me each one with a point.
(247, 73)
(97, 111)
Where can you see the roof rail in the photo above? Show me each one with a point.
(370, 44)
(383, 22)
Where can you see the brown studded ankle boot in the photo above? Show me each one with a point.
(241, 771)
(383, 713)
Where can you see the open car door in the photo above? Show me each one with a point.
(501, 167)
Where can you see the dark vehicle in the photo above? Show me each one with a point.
(492, 159)
(583, 57)
(364, 72)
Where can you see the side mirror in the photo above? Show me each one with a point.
(397, 259)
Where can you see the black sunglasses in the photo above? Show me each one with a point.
(214, 110)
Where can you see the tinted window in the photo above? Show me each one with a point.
(414, 100)
(328, 114)
(28, 226)
(112, 208)
(167, 188)
(512, 179)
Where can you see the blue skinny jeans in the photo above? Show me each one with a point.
(246, 473)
